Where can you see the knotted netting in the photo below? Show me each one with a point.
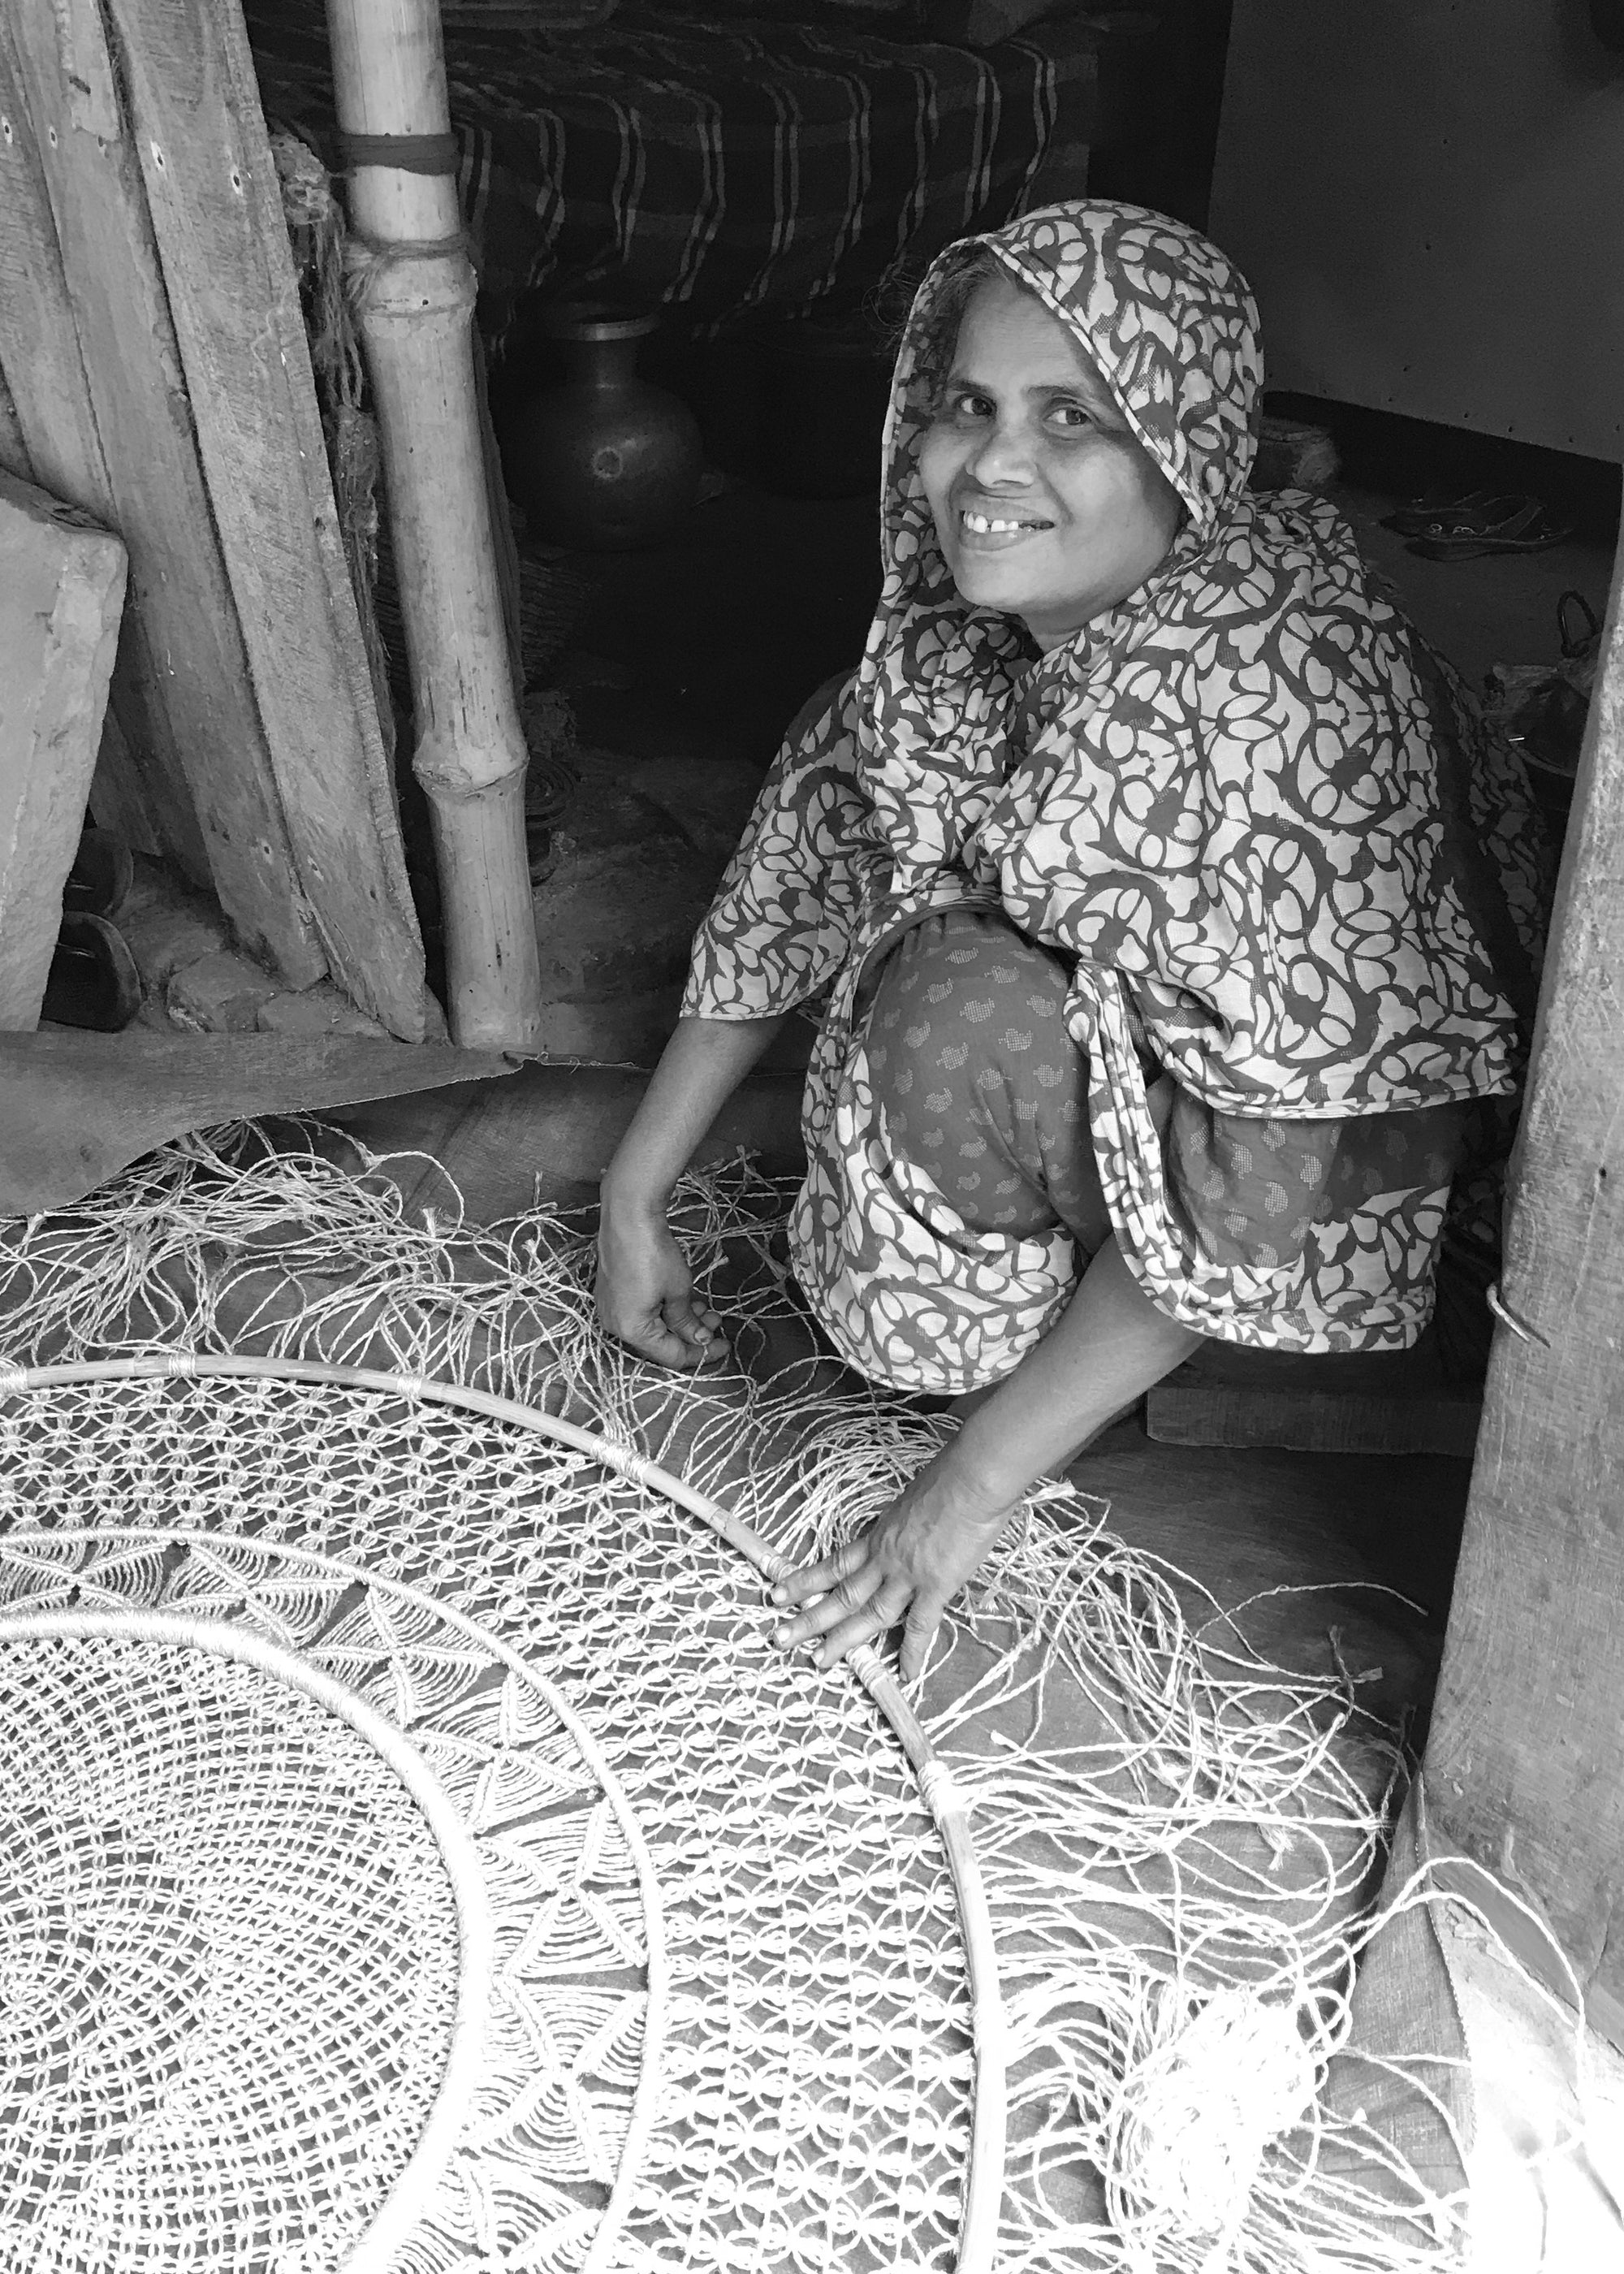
(245, 1957)
(739, 2028)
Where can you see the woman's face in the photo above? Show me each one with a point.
(1046, 505)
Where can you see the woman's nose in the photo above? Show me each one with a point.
(1004, 460)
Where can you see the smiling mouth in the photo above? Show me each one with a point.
(997, 529)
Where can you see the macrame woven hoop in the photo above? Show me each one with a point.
(793, 2084)
(1175, 1835)
(247, 1945)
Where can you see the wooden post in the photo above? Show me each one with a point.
(211, 183)
(120, 798)
(14, 457)
(61, 449)
(62, 592)
(91, 359)
(1524, 1768)
(415, 288)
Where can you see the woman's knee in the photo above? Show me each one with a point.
(979, 1079)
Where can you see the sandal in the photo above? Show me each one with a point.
(1507, 524)
(1578, 626)
(94, 982)
(1417, 513)
(102, 874)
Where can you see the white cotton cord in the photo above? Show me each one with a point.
(1176, 1837)
(1219, 2080)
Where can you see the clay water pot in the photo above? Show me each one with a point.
(601, 459)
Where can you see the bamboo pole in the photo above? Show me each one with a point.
(414, 292)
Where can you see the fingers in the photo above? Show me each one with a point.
(818, 1579)
(699, 1328)
(843, 1582)
(653, 1339)
(858, 1599)
(674, 1334)
(924, 1617)
(874, 1618)
(858, 1610)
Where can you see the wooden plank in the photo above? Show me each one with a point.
(1351, 1402)
(56, 430)
(121, 797)
(116, 439)
(216, 210)
(14, 457)
(1300, 1421)
(1525, 1765)
(62, 592)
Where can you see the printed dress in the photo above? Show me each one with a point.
(1244, 812)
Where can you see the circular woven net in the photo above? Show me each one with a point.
(232, 1957)
(811, 2040)
(730, 2025)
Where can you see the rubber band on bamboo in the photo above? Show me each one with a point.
(407, 153)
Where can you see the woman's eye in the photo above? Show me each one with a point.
(1072, 418)
(968, 404)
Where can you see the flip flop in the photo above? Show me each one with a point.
(1578, 626)
(1520, 525)
(102, 874)
(94, 982)
(1417, 513)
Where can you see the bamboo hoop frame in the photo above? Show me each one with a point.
(398, 2212)
(942, 1797)
(645, 2100)
(414, 289)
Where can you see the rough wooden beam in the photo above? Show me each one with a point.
(120, 799)
(216, 210)
(91, 357)
(56, 443)
(62, 591)
(14, 457)
(1525, 1765)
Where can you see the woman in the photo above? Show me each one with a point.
(1152, 948)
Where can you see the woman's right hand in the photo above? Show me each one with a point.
(645, 1290)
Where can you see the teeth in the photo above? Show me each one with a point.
(985, 526)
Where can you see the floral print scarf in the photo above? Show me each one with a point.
(1226, 790)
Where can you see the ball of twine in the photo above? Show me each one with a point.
(1220, 2080)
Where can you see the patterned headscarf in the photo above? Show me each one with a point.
(1226, 789)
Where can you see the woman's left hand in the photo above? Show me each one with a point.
(907, 1566)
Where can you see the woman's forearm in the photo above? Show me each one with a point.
(1109, 1346)
(1110, 1343)
(702, 1066)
